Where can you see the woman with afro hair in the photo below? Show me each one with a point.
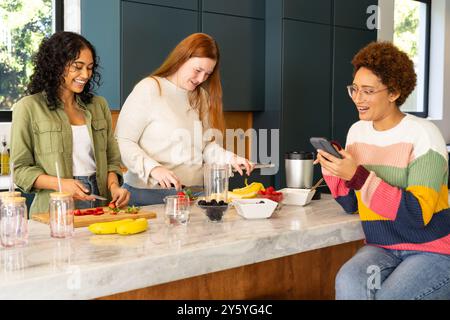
(62, 121)
(394, 174)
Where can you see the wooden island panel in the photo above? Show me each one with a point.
(307, 275)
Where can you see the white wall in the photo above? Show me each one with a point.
(439, 87)
(439, 84)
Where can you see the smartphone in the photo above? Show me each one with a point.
(325, 145)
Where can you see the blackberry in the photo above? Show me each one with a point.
(214, 214)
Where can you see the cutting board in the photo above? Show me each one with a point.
(84, 221)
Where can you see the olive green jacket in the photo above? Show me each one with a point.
(40, 137)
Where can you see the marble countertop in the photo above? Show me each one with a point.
(89, 266)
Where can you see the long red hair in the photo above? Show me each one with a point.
(203, 46)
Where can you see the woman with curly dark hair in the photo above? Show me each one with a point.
(394, 173)
(63, 122)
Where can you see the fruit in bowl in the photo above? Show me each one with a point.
(213, 209)
(271, 193)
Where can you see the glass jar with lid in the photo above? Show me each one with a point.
(13, 222)
(61, 215)
(8, 194)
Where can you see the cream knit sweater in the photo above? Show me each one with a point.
(159, 128)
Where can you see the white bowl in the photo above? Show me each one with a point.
(297, 197)
(259, 208)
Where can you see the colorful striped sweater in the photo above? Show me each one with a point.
(400, 187)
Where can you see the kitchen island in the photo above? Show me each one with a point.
(293, 255)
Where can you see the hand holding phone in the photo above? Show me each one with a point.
(325, 145)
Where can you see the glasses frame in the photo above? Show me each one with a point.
(365, 96)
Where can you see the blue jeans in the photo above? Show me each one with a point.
(380, 274)
(91, 183)
(145, 197)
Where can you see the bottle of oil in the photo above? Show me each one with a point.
(4, 158)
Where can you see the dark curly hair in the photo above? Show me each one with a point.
(391, 65)
(54, 54)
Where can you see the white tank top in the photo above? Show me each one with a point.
(83, 163)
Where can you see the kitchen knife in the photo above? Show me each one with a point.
(98, 197)
(259, 166)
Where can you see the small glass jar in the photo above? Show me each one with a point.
(13, 222)
(61, 215)
(177, 210)
(8, 194)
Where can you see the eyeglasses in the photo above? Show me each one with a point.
(366, 93)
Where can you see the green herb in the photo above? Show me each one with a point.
(133, 209)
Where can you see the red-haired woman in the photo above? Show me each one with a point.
(162, 123)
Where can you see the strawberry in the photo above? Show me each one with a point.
(98, 211)
(270, 190)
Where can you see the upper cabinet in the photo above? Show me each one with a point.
(354, 14)
(347, 42)
(306, 10)
(181, 4)
(306, 83)
(241, 45)
(150, 32)
(245, 8)
(146, 42)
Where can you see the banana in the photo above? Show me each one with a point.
(108, 227)
(249, 189)
(232, 195)
(137, 226)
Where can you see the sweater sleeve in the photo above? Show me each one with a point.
(344, 195)
(214, 153)
(132, 121)
(414, 205)
(26, 171)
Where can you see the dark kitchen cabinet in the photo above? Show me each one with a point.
(244, 8)
(180, 4)
(306, 10)
(306, 109)
(348, 42)
(241, 45)
(306, 83)
(149, 33)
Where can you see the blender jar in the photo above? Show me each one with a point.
(216, 181)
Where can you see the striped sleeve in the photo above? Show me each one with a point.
(415, 205)
(341, 193)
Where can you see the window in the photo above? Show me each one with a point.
(411, 34)
(23, 25)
